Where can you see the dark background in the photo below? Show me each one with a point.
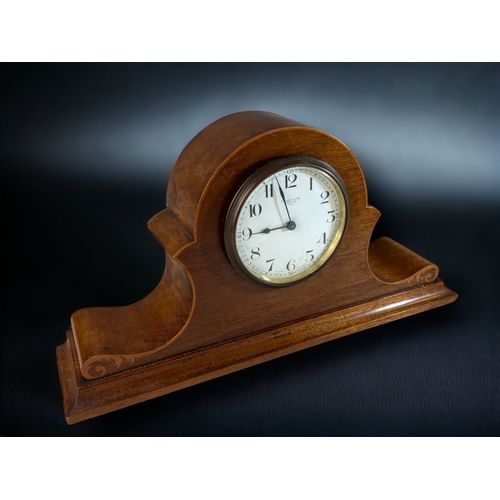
(86, 152)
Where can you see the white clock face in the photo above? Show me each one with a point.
(286, 221)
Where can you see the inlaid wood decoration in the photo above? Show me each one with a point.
(267, 237)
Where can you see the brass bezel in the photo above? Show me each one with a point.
(248, 187)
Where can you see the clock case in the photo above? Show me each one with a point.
(205, 320)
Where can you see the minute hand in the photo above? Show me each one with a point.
(282, 194)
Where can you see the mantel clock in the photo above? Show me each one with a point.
(267, 238)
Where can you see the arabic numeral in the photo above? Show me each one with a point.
(247, 234)
(255, 253)
(255, 210)
(322, 239)
(244, 235)
(324, 196)
(290, 181)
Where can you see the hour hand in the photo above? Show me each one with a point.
(290, 226)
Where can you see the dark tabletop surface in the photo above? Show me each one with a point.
(85, 156)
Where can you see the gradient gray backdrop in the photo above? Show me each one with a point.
(86, 152)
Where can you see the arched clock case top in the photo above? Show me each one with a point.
(206, 318)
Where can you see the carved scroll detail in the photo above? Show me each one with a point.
(425, 275)
(104, 364)
(392, 263)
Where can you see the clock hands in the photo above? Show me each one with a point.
(282, 194)
(290, 226)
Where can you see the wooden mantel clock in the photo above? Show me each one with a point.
(267, 236)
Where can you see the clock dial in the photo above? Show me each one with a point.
(286, 221)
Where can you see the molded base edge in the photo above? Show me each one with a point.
(84, 399)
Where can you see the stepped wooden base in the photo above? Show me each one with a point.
(84, 399)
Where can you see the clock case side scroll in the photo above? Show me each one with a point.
(200, 322)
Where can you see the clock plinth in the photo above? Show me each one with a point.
(205, 319)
